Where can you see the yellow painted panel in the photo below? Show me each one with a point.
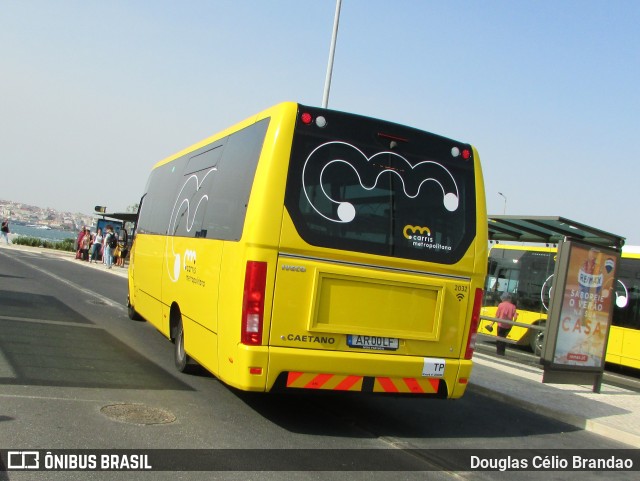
(614, 345)
(358, 305)
(630, 355)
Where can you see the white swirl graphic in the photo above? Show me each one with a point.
(182, 209)
(368, 173)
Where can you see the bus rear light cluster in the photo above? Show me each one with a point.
(308, 119)
(464, 153)
(475, 321)
(255, 281)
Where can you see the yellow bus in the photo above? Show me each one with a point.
(306, 248)
(527, 274)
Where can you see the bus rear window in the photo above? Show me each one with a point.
(364, 185)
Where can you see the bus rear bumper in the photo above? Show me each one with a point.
(307, 369)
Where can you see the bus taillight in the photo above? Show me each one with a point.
(475, 321)
(255, 280)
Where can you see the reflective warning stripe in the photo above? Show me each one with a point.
(384, 384)
(292, 377)
(350, 382)
(333, 382)
(340, 382)
(406, 385)
(319, 381)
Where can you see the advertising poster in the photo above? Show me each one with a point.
(586, 308)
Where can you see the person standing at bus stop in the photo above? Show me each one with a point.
(96, 248)
(5, 230)
(111, 240)
(123, 238)
(506, 311)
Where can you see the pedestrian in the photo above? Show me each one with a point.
(104, 246)
(81, 235)
(110, 242)
(5, 230)
(123, 238)
(116, 255)
(506, 311)
(85, 245)
(96, 247)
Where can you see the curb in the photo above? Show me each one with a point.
(549, 401)
(579, 422)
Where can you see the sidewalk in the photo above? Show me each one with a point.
(70, 256)
(614, 413)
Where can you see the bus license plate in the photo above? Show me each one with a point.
(373, 342)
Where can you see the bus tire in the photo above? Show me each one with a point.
(182, 360)
(536, 339)
(131, 312)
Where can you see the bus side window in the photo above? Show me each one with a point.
(230, 189)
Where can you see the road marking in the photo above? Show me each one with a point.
(53, 398)
(84, 290)
(48, 321)
(6, 370)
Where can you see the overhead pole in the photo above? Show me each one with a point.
(505, 202)
(332, 51)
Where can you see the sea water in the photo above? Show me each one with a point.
(40, 233)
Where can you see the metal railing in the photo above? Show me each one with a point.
(513, 323)
(536, 327)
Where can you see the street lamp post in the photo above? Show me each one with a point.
(505, 202)
(332, 51)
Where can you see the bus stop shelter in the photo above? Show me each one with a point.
(568, 307)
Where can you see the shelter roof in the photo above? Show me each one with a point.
(123, 216)
(547, 229)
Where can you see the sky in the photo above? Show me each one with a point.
(93, 93)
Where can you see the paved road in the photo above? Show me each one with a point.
(76, 373)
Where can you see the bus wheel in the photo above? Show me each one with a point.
(133, 315)
(182, 360)
(537, 339)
